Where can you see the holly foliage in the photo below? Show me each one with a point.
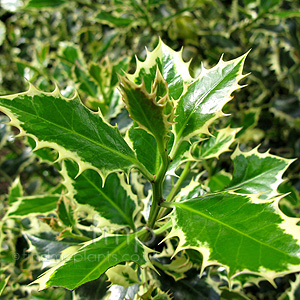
(126, 179)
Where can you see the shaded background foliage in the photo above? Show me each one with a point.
(66, 42)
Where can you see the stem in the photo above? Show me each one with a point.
(145, 172)
(176, 145)
(156, 199)
(176, 187)
(179, 182)
(157, 185)
(163, 228)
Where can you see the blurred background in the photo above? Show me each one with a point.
(63, 42)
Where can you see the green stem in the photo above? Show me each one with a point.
(157, 185)
(179, 182)
(145, 172)
(155, 205)
(176, 187)
(163, 228)
(176, 145)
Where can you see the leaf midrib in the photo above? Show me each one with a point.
(151, 128)
(131, 159)
(241, 184)
(196, 103)
(103, 261)
(183, 206)
(130, 223)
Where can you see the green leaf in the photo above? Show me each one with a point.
(67, 126)
(44, 3)
(65, 211)
(15, 191)
(146, 149)
(215, 145)
(182, 155)
(219, 181)
(93, 259)
(153, 111)
(286, 14)
(240, 232)
(85, 82)
(46, 246)
(265, 5)
(204, 98)
(170, 64)
(113, 200)
(3, 284)
(256, 172)
(25, 206)
(108, 18)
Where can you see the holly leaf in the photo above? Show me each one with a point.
(122, 275)
(113, 200)
(146, 149)
(46, 246)
(171, 66)
(256, 172)
(15, 191)
(94, 258)
(215, 145)
(204, 98)
(152, 111)
(28, 205)
(65, 212)
(67, 126)
(240, 232)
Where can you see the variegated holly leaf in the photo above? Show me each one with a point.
(67, 126)
(152, 110)
(218, 181)
(204, 98)
(256, 172)
(215, 145)
(65, 212)
(25, 206)
(47, 246)
(171, 66)
(240, 232)
(113, 200)
(122, 275)
(15, 191)
(146, 148)
(78, 266)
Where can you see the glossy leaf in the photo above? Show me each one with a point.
(25, 206)
(219, 181)
(170, 64)
(205, 97)
(93, 259)
(56, 122)
(215, 145)
(241, 232)
(256, 172)
(113, 200)
(152, 111)
(146, 149)
(46, 246)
